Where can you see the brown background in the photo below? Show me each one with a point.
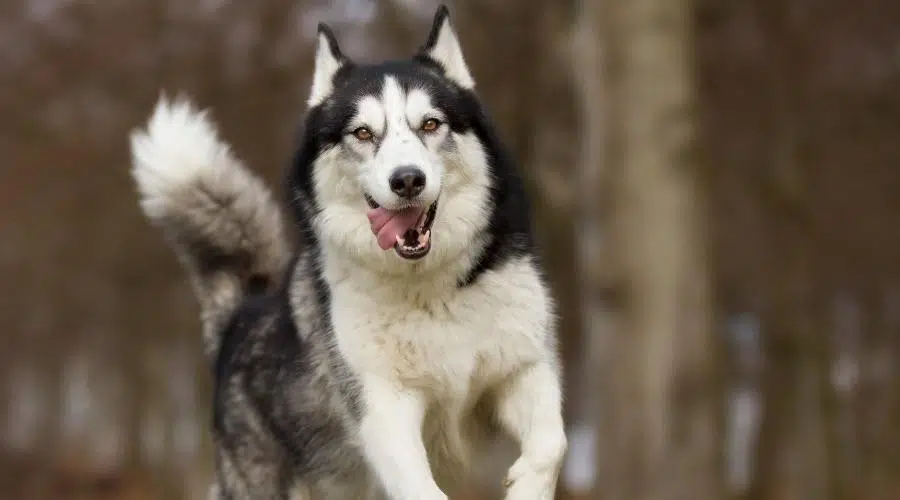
(717, 186)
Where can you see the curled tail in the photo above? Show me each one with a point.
(221, 219)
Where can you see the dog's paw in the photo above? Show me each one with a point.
(528, 480)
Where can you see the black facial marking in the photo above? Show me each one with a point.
(509, 231)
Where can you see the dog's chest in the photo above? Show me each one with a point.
(453, 347)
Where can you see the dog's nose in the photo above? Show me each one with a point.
(407, 181)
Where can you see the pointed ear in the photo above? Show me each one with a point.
(329, 60)
(443, 48)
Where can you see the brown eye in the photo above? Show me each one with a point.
(363, 134)
(430, 125)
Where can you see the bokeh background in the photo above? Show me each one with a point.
(718, 197)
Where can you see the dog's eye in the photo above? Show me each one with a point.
(362, 133)
(430, 125)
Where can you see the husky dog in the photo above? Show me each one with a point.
(366, 345)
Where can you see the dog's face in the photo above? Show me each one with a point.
(392, 153)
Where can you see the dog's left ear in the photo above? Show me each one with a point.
(443, 48)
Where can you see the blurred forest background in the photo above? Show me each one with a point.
(718, 195)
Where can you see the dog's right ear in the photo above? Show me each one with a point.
(329, 60)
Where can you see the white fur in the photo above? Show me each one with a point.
(448, 52)
(424, 348)
(179, 148)
(179, 144)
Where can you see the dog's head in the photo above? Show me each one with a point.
(392, 161)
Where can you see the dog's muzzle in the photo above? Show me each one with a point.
(407, 231)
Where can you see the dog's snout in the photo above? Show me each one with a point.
(407, 181)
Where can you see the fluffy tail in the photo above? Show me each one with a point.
(221, 220)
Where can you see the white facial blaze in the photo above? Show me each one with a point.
(395, 118)
(448, 52)
(326, 66)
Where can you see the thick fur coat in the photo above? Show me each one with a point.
(367, 341)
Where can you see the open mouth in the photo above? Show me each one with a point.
(407, 230)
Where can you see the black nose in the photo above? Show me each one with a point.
(407, 182)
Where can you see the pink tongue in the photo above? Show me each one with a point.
(387, 225)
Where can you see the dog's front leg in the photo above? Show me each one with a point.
(391, 434)
(529, 408)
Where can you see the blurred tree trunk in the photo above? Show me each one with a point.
(795, 457)
(594, 277)
(876, 402)
(661, 415)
